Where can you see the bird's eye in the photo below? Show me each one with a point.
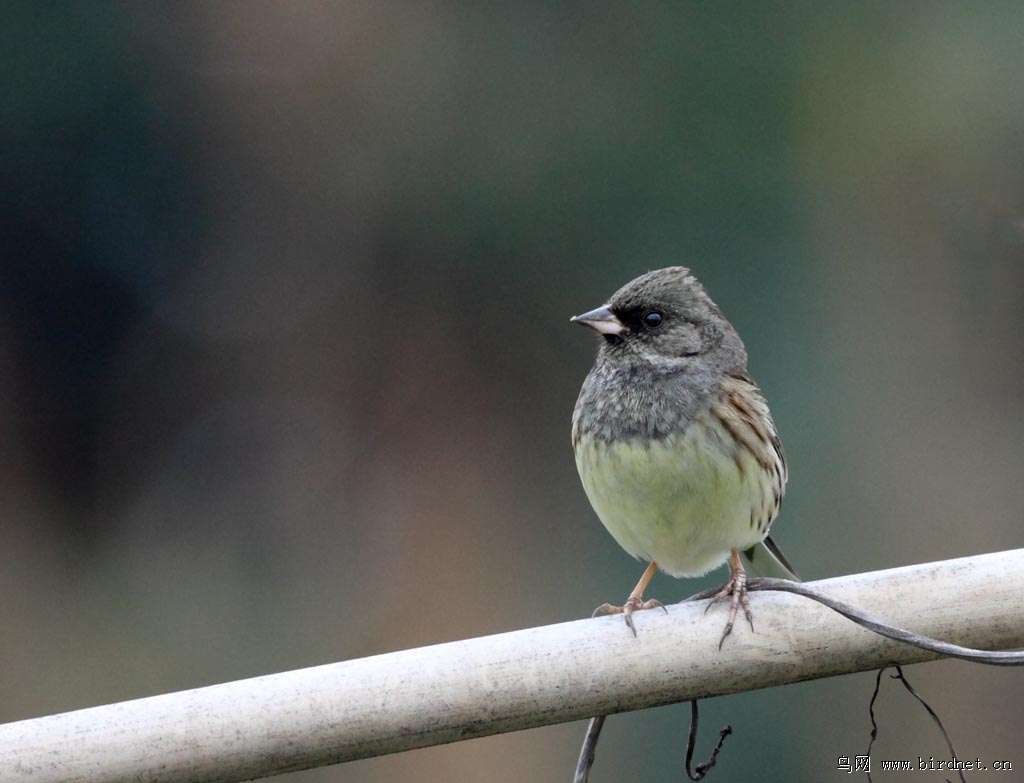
(653, 319)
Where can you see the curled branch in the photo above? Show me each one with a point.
(853, 613)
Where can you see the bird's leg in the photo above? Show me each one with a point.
(736, 588)
(635, 601)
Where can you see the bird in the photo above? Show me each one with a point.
(674, 443)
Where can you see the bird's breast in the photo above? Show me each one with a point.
(684, 499)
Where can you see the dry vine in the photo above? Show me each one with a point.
(862, 618)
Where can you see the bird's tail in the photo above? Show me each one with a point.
(766, 559)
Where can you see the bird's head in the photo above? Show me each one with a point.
(666, 320)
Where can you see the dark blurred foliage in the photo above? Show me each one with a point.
(286, 368)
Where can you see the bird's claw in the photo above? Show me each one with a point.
(736, 590)
(633, 604)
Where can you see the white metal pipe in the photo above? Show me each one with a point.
(448, 692)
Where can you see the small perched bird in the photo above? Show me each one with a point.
(674, 443)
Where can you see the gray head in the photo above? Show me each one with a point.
(665, 320)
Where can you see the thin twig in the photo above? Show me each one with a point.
(871, 714)
(872, 623)
(691, 743)
(589, 749)
(945, 734)
(859, 616)
(906, 684)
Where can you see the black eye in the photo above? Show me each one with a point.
(652, 320)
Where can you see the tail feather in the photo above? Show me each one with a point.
(766, 559)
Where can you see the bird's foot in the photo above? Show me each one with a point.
(633, 604)
(736, 591)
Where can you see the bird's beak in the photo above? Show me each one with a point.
(601, 320)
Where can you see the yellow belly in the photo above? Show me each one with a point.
(683, 501)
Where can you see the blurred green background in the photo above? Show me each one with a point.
(285, 362)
